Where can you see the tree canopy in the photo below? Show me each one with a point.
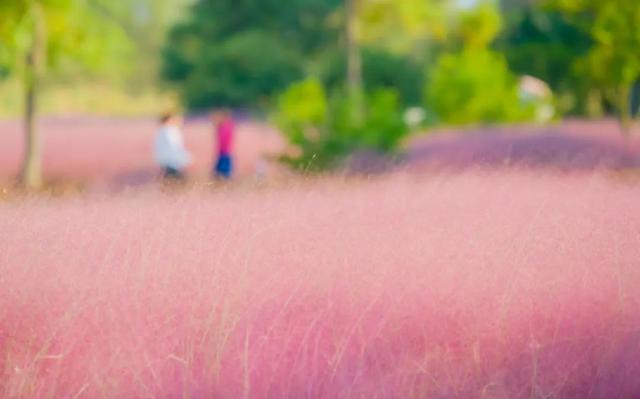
(239, 52)
(38, 36)
(76, 32)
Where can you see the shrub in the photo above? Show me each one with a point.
(301, 108)
(384, 126)
(324, 130)
(474, 86)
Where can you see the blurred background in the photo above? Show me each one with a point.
(317, 84)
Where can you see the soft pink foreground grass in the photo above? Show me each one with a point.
(506, 285)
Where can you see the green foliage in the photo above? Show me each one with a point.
(403, 26)
(384, 127)
(381, 129)
(614, 61)
(474, 86)
(91, 42)
(381, 70)
(477, 28)
(548, 45)
(5, 62)
(240, 53)
(324, 131)
(145, 23)
(245, 70)
(77, 35)
(302, 110)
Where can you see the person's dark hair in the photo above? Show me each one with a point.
(167, 116)
(220, 114)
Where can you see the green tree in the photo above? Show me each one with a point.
(403, 26)
(146, 23)
(355, 88)
(547, 44)
(472, 83)
(381, 68)
(243, 74)
(476, 28)
(613, 62)
(203, 53)
(473, 86)
(39, 35)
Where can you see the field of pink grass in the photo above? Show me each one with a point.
(99, 151)
(572, 145)
(507, 284)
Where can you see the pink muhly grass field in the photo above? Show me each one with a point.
(99, 151)
(481, 285)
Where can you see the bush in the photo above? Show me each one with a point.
(302, 108)
(325, 131)
(474, 86)
(382, 128)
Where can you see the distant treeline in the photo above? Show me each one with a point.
(245, 53)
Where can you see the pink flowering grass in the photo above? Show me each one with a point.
(99, 151)
(479, 285)
(572, 145)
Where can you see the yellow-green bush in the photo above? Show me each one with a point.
(326, 129)
(474, 86)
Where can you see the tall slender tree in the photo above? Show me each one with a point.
(613, 62)
(354, 59)
(33, 70)
(38, 33)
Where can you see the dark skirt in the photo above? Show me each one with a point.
(224, 166)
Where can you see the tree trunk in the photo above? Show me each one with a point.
(354, 61)
(624, 109)
(34, 66)
(635, 100)
(594, 104)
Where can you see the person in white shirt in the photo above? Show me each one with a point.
(170, 153)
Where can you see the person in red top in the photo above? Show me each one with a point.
(224, 131)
